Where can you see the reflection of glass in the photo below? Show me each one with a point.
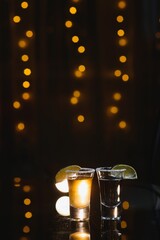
(80, 231)
(80, 183)
(110, 230)
(109, 185)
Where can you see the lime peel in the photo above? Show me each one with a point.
(129, 173)
(61, 174)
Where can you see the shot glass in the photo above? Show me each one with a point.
(110, 230)
(109, 182)
(80, 184)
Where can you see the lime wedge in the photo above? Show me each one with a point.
(61, 174)
(130, 172)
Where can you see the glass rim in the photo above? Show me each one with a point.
(109, 169)
(81, 170)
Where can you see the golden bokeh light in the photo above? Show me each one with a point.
(73, 100)
(26, 229)
(120, 18)
(23, 238)
(77, 73)
(125, 77)
(22, 43)
(117, 96)
(122, 59)
(29, 33)
(123, 224)
(122, 124)
(27, 201)
(122, 42)
(25, 96)
(16, 19)
(81, 49)
(125, 205)
(73, 10)
(122, 4)
(24, 57)
(76, 93)
(16, 104)
(27, 71)
(75, 39)
(28, 215)
(26, 188)
(68, 24)
(20, 126)
(113, 109)
(81, 68)
(80, 118)
(24, 5)
(117, 73)
(17, 179)
(26, 84)
(120, 32)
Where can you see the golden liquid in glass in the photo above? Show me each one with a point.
(79, 192)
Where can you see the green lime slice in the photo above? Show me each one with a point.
(130, 172)
(61, 174)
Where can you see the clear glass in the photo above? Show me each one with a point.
(80, 184)
(109, 182)
(110, 230)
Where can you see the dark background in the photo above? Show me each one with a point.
(52, 137)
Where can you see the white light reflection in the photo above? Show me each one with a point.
(115, 212)
(62, 186)
(62, 206)
(118, 193)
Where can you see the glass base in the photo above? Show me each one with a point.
(110, 213)
(79, 214)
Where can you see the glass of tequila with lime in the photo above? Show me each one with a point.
(109, 181)
(80, 184)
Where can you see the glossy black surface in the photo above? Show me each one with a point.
(139, 221)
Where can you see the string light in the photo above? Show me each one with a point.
(27, 71)
(25, 96)
(29, 33)
(73, 10)
(120, 72)
(117, 73)
(23, 36)
(75, 39)
(24, 5)
(20, 126)
(24, 57)
(68, 24)
(79, 71)
(26, 229)
(80, 118)
(122, 124)
(22, 43)
(121, 4)
(16, 19)
(120, 18)
(26, 84)
(16, 104)
(81, 49)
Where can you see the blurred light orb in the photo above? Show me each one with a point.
(62, 206)
(62, 186)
